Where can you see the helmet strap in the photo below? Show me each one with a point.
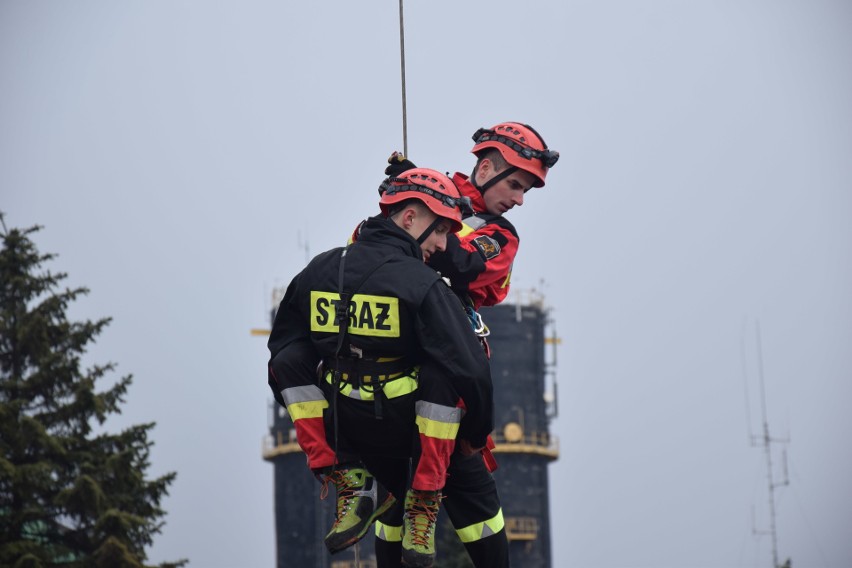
(496, 179)
(431, 228)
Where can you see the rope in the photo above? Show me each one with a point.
(402, 65)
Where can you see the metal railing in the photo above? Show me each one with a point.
(521, 528)
(538, 443)
(277, 446)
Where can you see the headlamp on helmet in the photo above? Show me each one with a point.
(548, 157)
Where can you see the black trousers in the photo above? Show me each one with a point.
(470, 498)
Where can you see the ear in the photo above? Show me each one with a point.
(408, 216)
(485, 171)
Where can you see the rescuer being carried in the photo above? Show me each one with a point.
(400, 366)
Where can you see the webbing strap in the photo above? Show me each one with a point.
(342, 315)
(425, 234)
(370, 367)
(499, 177)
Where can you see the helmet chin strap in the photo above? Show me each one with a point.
(496, 179)
(429, 230)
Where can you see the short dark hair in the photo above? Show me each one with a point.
(397, 207)
(496, 158)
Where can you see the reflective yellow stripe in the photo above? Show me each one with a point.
(471, 224)
(505, 283)
(437, 421)
(301, 410)
(388, 533)
(392, 389)
(478, 531)
(399, 387)
(434, 429)
(346, 390)
(306, 401)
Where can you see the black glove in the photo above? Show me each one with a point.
(398, 164)
(442, 261)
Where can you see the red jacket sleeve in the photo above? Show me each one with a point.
(478, 261)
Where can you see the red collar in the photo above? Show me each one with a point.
(467, 188)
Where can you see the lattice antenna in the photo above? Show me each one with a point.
(765, 440)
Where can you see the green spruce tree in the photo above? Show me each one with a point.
(71, 495)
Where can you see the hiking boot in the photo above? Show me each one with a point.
(418, 528)
(360, 500)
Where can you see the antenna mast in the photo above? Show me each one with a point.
(766, 440)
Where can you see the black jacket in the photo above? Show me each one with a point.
(401, 308)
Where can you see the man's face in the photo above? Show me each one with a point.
(507, 192)
(437, 239)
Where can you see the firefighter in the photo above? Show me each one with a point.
(399, 366)
(511, 158)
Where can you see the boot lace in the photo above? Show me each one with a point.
(423, 515)
(345, 493)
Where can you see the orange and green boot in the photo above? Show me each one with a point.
(360, 501)
(418, 528)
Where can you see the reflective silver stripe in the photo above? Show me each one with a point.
(438, 412)
(351, 392)
(473, 222)
(307, 393)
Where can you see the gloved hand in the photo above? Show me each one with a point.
(398, 164)
(442, 261)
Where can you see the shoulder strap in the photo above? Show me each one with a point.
(342, 310)
(342, 315)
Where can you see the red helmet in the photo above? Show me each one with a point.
(520, 145)
(434, 189)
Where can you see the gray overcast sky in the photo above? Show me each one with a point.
(181, 154)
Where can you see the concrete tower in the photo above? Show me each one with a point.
(524, 402)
